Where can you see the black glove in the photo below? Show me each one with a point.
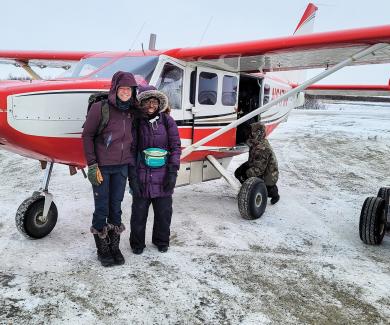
(170, 179)
(133, 182)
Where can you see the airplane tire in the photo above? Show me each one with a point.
(252, 198)
(384, 193)
(372, 225)
(28, 220)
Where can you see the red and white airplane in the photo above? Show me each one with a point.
(264, 79)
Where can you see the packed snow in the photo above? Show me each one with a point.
(301, 262)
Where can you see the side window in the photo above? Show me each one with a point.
(229, 91)
(170, 83)
(208, 86)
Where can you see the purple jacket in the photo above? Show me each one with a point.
(114, 145)
(156, 135)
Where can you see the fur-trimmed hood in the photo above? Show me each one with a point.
(146, 92)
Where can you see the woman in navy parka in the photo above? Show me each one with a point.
(151, 185)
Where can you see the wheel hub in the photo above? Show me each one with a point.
(258, 199)
(41, 220)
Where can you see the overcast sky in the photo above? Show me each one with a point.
(120, 25)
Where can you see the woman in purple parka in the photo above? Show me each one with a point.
(108, 154)
(153, 181)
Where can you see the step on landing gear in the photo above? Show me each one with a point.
(37, 216)
(374, 217)
(252, 194)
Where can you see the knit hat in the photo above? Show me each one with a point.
(146, 92)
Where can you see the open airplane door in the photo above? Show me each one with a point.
(215, 103)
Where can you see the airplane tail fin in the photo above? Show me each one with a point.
(306, 24)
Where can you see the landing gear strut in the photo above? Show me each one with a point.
(37, 215)
(374, 217)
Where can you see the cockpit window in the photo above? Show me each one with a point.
(85, 67)
(141, 66)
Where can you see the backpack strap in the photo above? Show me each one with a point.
(105, 117)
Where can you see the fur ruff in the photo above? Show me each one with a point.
(163, 99)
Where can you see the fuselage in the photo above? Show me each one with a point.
(43, 119)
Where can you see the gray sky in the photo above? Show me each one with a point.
(117, 24)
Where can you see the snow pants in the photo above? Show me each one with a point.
(162, 207)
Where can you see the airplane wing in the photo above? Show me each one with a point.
(360, 93)
(297, 52)
(348, 90)
(42, 59)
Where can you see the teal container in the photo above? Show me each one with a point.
(155, 157)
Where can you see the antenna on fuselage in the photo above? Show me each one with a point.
(136, 36)
(152, 42)
(205, 30)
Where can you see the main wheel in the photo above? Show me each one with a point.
(29, 217)
(372, 225)
(384, 193)
(252, 198)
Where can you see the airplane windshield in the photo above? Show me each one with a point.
(141, 66)
(85, 67)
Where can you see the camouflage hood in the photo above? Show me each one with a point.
(257, 132)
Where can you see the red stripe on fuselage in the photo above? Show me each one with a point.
(227, 139)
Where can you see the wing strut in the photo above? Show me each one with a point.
(25, 66)
(286, 95)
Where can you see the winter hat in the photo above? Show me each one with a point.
(146, 92)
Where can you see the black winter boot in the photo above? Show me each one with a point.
(115, 237)
(273, 193)
(103, 250)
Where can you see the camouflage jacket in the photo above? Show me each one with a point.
(262, 160)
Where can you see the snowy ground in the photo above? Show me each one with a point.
(302, 262)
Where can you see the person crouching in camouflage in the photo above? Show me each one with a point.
(262, 161)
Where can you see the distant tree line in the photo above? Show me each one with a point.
(14, 77)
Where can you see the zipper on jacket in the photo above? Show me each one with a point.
(124, 134)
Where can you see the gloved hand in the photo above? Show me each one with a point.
(170, 179)
(94, 175)
(133, 182)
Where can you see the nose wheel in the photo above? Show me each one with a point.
(37, 216)
(30, 219)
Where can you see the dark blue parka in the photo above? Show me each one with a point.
(162, 133)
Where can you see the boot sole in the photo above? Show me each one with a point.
(106, 264)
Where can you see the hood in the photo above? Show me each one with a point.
(146, 92)
(257, 131)
(121, 79)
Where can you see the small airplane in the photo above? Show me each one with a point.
(213, 91)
